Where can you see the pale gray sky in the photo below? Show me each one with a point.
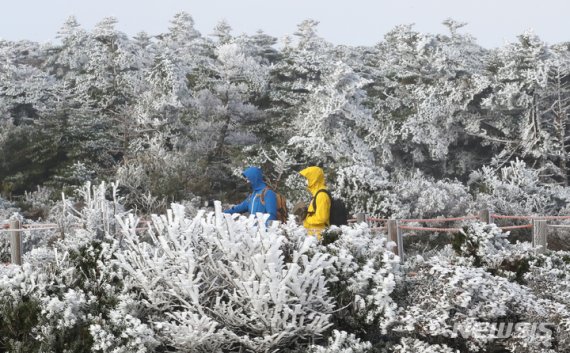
(353, 22)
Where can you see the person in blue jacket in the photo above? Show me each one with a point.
(262, 199)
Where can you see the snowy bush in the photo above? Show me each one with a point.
(362, 279)
(211, 282)
(419, 196)
(154, 174)
(445, 295)
(485, 245)
(364, 188)
(411, 345)
(482, 283)
(376, 192)
(342, 342)
(517, 189)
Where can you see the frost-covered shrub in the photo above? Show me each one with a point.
(517, 190)
(362, 279)
(485, 245)
(550, 275)
(484, 281)
(80, 291)
(60, 294)
(411, 345)
(66, 286)
(122, 333)
(93, 209)
(215, 282)
(364, 188)
(444, 295)
(419, 196)
(38, 203)
(154, 174)
(19, 309)
(73, 176)
(374, 191)
(342, 342)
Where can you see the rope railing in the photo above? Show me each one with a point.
(397, 231)
(368, 219)
(26, 229)
(450, 230)
(29, 227)
(372, 219)
(552, 217)
(558, 225)
(40, 225)
(498, 216)
(465, 218)
(439, 220)
(454, 230)
(516, 227)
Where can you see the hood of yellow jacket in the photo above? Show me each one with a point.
(315, 178)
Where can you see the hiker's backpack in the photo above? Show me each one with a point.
(282, 213)
(338, 214)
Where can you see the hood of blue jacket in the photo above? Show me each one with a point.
(255, 177)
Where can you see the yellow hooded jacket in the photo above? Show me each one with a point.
(316, 222)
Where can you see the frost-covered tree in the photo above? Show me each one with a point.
(332, 124)
(424, 87)
(25, 97)
(517, 189)
(294, 77)
(527, 105)
(555, 111)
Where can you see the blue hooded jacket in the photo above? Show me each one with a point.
(252, 203)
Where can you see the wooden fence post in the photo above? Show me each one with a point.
(539, 235)
(400, 238)
(484, 216)
(360, 217)
(15, 243)
(395, 235)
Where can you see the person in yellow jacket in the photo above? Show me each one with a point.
(317, 219)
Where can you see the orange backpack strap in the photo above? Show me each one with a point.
(263, 195)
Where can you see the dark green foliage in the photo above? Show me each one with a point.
(76, 339)
(458, 240)
(85, 261)
(17, 318)
(23, 164)
(330, 236)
